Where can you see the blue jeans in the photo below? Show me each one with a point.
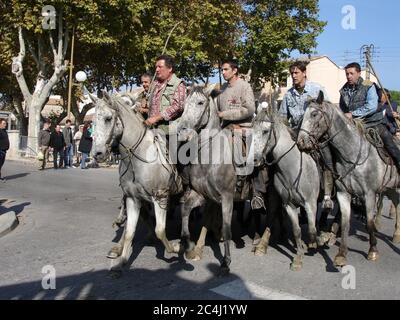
(68, 155)
(83, 161)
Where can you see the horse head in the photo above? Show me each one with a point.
(264, 138)
(105, 120)
(196, 112)
(316, 122)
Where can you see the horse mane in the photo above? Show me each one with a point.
(357, 124)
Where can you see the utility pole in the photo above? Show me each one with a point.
(366, 51)
(71, 69)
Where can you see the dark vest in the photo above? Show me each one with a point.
(351, 101)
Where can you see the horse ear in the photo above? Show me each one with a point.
(321, 97)
(109, 100)
(93, 98)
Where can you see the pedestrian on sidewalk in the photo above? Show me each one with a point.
(58, 144)
(44, 143)
(68, 138)
(4, 144)
(85, 145)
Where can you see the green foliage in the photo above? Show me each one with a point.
(395, 96)
(117, 40)
(272, 30)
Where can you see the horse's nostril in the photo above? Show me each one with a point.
(98, 154)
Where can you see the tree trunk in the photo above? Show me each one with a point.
(34, 108)
(36, 101)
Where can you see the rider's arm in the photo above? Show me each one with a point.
(370, 106)
(177, 105)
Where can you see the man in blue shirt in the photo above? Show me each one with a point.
(359, 99)
(293, 107)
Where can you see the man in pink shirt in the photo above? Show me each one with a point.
(167, 95)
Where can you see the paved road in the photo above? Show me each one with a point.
(65, 222)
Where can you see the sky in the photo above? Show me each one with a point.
(377, 23)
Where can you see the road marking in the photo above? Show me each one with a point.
(245, 290)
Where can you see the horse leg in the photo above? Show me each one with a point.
(297, 262)
(311, 210)
(344, 200)
(122, 214)
(395, 198)
(370, 199)
(261, 248)
(194, 200)
(392, 211)
(324, 234)
(161, 220)
(116, 251)
(379, 211)
(133, 210)
(227, 209)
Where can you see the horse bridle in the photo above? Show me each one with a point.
(325, 143)
(273, 132)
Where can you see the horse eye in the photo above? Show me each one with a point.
(314, 114)
(201, 103)
(108, 119)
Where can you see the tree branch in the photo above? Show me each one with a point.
(60, 35)
(18, 69)
(66, 42)
(53, 48)
(34, 55)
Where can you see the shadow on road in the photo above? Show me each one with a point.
(137, 284)
(17, 176)
(17, 208)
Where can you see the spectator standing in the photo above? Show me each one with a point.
(85, 145)
(58, 144)
(68, 138)
(4, 144)
(77, 140)
(44, 143)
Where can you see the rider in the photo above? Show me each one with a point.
(293, 108)
(236, 110)
(167, 95)
(359, 100)
(142, 103)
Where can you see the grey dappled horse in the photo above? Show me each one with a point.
(361, 172)
(213, 179)
(296, 177)
(145, 175)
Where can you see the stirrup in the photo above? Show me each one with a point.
(327, 203)
(257, 203)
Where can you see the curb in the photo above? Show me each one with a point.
(8, 222)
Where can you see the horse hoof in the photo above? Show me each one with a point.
(114, 253)
(373, 256)
(296, 265)
(332, 240)
(193, 255)
(313, 245)
(223, 272)
(115, 274)
(260, 251)
(176, 247)
(396, 238)
(340, 261)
